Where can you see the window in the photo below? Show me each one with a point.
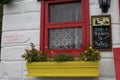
(65, 26)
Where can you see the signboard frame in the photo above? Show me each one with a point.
(101, 32)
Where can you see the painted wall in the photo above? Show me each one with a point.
(21, 25)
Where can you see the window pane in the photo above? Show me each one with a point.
(65, 12)
(65, 38)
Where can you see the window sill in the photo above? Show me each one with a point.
(63, 69)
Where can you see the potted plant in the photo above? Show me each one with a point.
(62, 65)
(5, 1)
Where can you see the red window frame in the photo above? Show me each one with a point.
(46, 25)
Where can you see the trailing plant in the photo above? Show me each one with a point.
(90, 54)
(34, 55)
(63, 57)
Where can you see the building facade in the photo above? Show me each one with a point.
(21, 26)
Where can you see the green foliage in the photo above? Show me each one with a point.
(34, 55)
(63, 57)
(5, 1)
(90, 55)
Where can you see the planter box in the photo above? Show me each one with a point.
(63, 69)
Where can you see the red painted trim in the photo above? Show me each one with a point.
(84, 24)
(42, 25)
(117, 62)
(74, 51)
(87, 23)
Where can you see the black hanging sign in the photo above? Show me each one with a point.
(101, 32)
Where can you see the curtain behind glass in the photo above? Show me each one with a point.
(65, 12)
(65, 38)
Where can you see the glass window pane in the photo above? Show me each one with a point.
(65, 38)
(65, 12)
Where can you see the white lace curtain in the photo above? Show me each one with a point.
(65, 38)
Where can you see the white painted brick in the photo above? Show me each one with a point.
(94, 11)
(113, 10)
(11, 22)
(108, 54)
(12, 70)
(116, 46)
(32, 6)
(93, 3)
(21, 21)
(94, 7)
(32, 20)
(1, 70)
(14, 8)
(115, 34)
(107, 79)
(107, 68)
(24, 69)
(35, 78)
(14, 53)
(12, 79)
(3, 79)
(17, 38)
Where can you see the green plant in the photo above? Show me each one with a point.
(63, 57)
(90, 55)
(34, 55)
(5, 1)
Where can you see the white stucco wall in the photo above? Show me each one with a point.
(21, 25)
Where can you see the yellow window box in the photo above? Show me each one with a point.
(63, 69)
